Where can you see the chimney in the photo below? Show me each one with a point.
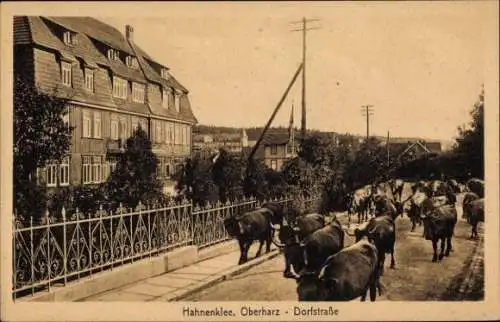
(129, 32)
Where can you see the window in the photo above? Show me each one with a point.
(188, 136)
(69, 38)
(138, 92)
(89, 79)
(274, 149)
(96, 169)
(158, 135)
(86, 170)
(65, 117)
(97, 124)
(66, 73)
(172, 133)
(112, 165)
(135, 123)
(131, 62)
(164, 73)
(167, 169)
(87, 125)
(144, 125)
(51, 174)
(164, 101)
(274, 164)
(176, 134)
(113, 54)
(114, 129)
(176, 101)
(120, 89)
(123, 128)
(64, 172)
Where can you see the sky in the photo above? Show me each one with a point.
(419, 64)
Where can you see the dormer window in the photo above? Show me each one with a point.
(164, 73)
(131, 62)
(164, 98)
(69, 38)
(113, 54)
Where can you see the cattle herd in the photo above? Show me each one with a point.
(313, 244)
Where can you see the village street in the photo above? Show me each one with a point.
(415, 278)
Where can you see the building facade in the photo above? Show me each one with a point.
(113, 87)
(276, 149)
(211, 143)
(414, 149)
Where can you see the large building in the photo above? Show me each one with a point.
(113, 86)
(211, 143)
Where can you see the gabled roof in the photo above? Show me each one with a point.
(95, 29)
(90, 35)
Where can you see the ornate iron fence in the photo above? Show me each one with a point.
(56, 252)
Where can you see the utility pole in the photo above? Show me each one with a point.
(388, 153)
(304, 30)
(367, 111)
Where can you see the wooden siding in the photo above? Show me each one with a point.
(24, 63)
(154, 94)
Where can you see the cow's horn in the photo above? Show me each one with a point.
(275, 226)
(296, 229)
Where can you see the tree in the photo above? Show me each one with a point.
(195, 180)
(40, 136)
(255, 183)
(469, 145)
(40, 133)
(314, 149)
(228, 175)
(367, 165)
(134, 178)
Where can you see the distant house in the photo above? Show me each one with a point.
(275, 149)
(410, 150)
(211, 143)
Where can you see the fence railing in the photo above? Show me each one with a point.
(56, 252)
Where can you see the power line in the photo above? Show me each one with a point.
(304, 30)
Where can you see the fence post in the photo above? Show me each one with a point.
(111, 239)
(32, 254)
(150, 235)
(65, 258)
(77, 226)
(91, 240)
(47, 220)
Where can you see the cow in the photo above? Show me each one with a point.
(443, 189)
(310, 253)
(290, 236)
(473, 211)
(360, 204)
(455, 186)
(414, 215)
(381, 231)
(344, 276)
(439, 225)
(250, 226)
(476, 186)
(396, 188)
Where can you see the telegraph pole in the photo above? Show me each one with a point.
(388, 153)
(367, 111)
(304, 30)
